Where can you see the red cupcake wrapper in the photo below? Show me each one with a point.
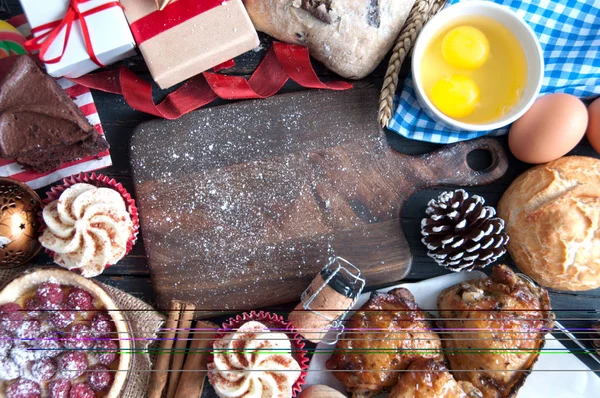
(97, 180)
(273, 322)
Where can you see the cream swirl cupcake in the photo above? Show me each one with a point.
(87, 228)
(253, 362)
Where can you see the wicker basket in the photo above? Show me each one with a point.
(421, 12)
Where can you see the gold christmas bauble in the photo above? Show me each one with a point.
(20, 207)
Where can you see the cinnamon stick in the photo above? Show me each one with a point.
(158, 380)
(191, 382)
(183, 331)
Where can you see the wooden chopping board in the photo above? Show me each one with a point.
(241, 205)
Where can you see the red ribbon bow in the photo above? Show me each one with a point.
(282, 62)
(45, 40)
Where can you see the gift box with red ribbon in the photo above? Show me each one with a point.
(188, 37)
(75, 37)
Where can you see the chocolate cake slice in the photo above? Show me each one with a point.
(40, 126)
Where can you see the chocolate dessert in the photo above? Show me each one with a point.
(40, 126)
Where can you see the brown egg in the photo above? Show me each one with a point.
(549, 129)
(593, 130)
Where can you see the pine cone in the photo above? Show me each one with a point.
(460, 233)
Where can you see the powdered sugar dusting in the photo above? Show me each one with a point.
(22, 353)
(24, 389)
(236, 203)
(43, 369)
(36, 352)
(9, 370)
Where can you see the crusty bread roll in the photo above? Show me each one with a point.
(552, 215)
(350, 37)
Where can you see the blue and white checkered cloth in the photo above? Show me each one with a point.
(569, 33)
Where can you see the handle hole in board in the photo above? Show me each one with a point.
(479, 159)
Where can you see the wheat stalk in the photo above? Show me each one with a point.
(421, 12)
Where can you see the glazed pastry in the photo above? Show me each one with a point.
(253, 362)
(57, 337)
(431, 379)
(386, 334)
(509, 317)
(87, 228)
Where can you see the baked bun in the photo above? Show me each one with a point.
(552, 215)
(321, 391)
(350, 37)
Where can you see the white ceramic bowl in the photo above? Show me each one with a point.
(525, 35)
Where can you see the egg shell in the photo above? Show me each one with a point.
(593, 130)
(549, 129)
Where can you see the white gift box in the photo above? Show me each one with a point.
(109, 35)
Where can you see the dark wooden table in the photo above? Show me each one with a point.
(574, 310)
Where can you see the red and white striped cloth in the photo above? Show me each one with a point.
(83, 99)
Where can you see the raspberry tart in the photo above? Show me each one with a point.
(61, 336)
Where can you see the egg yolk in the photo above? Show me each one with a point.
(465, 47)
(456, 96)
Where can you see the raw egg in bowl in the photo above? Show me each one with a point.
(477, 66)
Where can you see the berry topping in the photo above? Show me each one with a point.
(100, 378)
(8, 369)
(107, 351)
(34, 309)
(11, 315)
(44, 369)
(6, 342)
(80, 300)
(49, 344)
(9, 308)
(61, 316)
(72, 364)
(22, 353)
(29, 329)
(42, 344)
(60, 388)
(79, 337)
(83, 390)
(102, 324)
(24, 389)
(49, 294)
